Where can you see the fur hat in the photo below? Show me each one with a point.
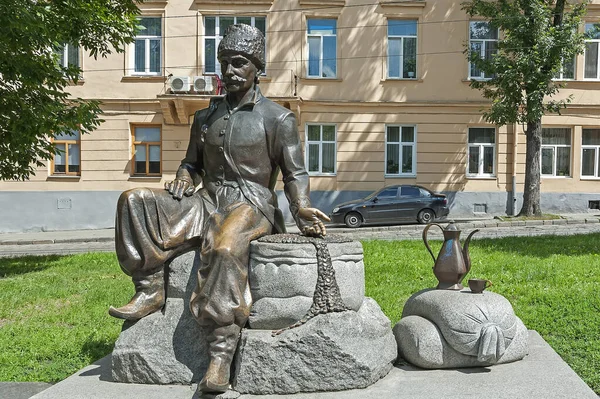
(247, 40)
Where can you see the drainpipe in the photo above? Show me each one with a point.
(514, 170)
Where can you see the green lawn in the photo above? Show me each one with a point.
(54, 320)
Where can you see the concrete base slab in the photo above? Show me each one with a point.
(21, 390)
(541, 374)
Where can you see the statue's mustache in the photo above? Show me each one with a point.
(235, 78)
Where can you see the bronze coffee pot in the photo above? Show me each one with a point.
(453, 262)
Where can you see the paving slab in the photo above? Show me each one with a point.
(541, 375)
(21, 390)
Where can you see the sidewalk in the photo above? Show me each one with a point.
(69, 242)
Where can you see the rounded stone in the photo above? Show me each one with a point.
(283, 278)
(444, 329)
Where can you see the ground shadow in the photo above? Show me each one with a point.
(101, 368)
(402, 364)
(97, 349)
(26, 264)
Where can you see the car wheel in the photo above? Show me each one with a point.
(353, 219)
(425, 216)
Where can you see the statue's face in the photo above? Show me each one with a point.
(238, 72)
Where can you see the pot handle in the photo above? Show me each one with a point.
(425, 238)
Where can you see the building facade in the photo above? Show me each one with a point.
(381, 93)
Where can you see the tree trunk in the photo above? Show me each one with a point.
(531, 192)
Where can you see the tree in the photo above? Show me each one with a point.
(538, 37)
(34, 103)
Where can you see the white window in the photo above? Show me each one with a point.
(590, 153)
(68, 55)
(567, 70)
(482, 152)
(556, 152)
(214, 28)
(402, 49)
(400, 150)
(146, 56)
(322, 48)
(483, 42)
(591, 69)
(320, 149)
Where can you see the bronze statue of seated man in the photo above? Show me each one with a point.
(237, 147)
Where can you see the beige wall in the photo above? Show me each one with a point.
(360, 101)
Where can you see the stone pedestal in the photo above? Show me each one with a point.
(334, 351)
(331, 352)
(449, 329)
(167, 347)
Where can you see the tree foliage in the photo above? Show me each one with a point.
(537, 38)
(34, 103)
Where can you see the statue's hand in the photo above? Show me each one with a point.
(180, 187)
(313, 218)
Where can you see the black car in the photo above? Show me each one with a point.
(392, 204)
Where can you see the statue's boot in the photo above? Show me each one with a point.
(148, 298)
(223, 342)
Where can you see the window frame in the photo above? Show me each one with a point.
(133, 173)
(147, 40)
(596, 148)
(63, 52)
(401, 55)
(401, 144)
(481, 146)
(320, 143)
(321, 55)
(560, 75)
(218, 36)
(554, 148)
(483, 49)
(586, 41)
(66, 142)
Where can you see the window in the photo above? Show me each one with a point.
(590, 153)
(68, 55)
(67, 161)
(410, 191)
(556, 151)
(400, 147)
(482, 151)
(146, 55)
(390, 192)
(322, 48)
(146, 150)
(402, 49)
(321, 149)
(214, 28)
(483, 42)
(567, 70)
(591, 51)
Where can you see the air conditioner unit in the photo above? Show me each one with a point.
(179, 84)
(203, 84)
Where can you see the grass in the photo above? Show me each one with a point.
(54, 321)
(544, 216)
(53, 314)
(552, 282)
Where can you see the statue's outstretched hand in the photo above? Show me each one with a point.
(180, 187)
(313, 218)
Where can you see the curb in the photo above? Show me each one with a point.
(412, 228)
